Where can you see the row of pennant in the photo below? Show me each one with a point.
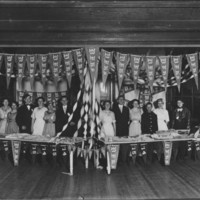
(90, 57)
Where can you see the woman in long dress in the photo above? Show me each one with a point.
(38, 117)
(12, 125)
(4, 110)
(49, 118)
(162, 116)
(107, 118)
(135, 114)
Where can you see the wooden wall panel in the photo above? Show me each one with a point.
(103, 23)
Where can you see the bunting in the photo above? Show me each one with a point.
(9, 61)
(92, 54)
(122, 62)
(20, 60)
(42, 59)
(194, 66)
(31, 64)
(150, 67)
(68, 60)
(106, 60)
(164, 65)
(135, 66)
(176, 62)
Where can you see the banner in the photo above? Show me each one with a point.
(164, 65)
(31, 64)
(20, 61)
(176, 62)
(9, 61)
(194, 66)
(122, 62)
(68, 61)
(55, 60)
(92, 54)
(42, 60)
(1, 60)
(135, 65)
(79, 61)
(150, 67)
(106, 60)
(113, 151)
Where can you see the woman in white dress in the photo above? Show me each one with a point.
(162, 116)
(4, 110)
(107, 118)
(135, 114)
(38, 117)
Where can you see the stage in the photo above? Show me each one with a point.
(180, 180)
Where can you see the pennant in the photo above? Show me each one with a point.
(49, 96)
(167, 145)
(106, 60)
(56, 96)
(55, 60)
(113, 151)
(68, 61)
(150, 67)
(20, 97)
(164, 65)
(176, 62)
(1, 60)
(31, 64)
(194, 66)
(16, 147)
(39, 94)
(92, 54)
(122, 62)
(135, 66)
(79, 61)
(42, 60)
(9, 61)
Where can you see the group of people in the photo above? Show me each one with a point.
(41, 119)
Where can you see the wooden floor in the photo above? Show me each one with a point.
(181, 180)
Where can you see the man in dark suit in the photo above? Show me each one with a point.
(62, 115)
(122, 123)
(24, 113)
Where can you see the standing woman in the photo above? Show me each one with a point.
(162, 116)
(38, 117)
(49, 118)
(4, 110)
(135, 114)
(107, 118)
(12, 125)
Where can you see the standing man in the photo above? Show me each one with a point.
(24, 113)
(62, 115)
(122, 122)
(180, 120)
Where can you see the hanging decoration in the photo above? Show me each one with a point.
(150, 68)
(135, 66)
(106, 60)
(20, 61)
(9, 61)
(42, 60)
(164, 65)
(122, 62)
(31, 64)
(92, 54)
(55, 61)
(176, 62)
(79, 61)
(194, 66)
(1, 60)
(68, 61)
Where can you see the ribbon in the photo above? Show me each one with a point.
(150, 67)
(164, 65)
(31, 64)
(42, 59)
(194, 66)
(68, 61)
(9, 61)
(176, 62)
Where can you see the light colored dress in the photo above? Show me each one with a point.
(107, 119)
(3, 119)
(162, 118)
(135, 125)
(49, 127)
(12, 125)
(38, 115)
